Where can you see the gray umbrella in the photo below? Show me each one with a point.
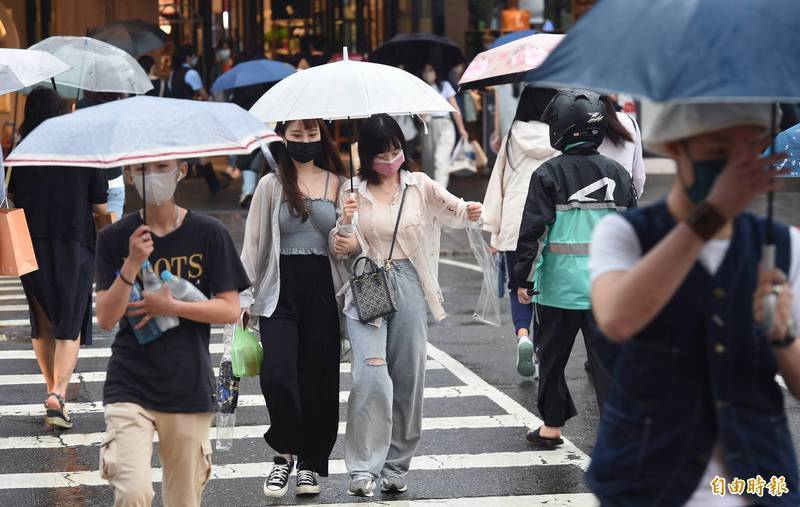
(137, 37)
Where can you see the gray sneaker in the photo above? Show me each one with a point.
(525, 357)
(361, 486)
(393, 484)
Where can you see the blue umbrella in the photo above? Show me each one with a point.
(685, 51)
(788, 141)
(511, 37)
(682, 50)
(252, 72)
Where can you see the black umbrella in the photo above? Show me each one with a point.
(413, 50)
(136, 37)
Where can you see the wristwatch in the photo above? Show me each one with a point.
(705, 220)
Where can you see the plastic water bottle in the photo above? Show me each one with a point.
(150, 331)
(182, 290)
(152, 283)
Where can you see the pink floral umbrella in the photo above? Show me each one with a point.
(509, 62)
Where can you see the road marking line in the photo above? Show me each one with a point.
(459, 264)
(557, 500)
(555, 457)
(20, 296)
(25, 322)
(19, 308)
(100, 376)
(242, 432)
(249, 400)
(513, 408)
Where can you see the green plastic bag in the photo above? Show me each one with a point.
(246, 352)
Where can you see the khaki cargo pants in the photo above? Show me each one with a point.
(184, 449)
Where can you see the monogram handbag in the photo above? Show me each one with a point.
(373, 294)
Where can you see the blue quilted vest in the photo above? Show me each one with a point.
(701, 371)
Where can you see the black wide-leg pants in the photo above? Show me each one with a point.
(300, 373)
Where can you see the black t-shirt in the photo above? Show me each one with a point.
(58, 200)
(172, 373)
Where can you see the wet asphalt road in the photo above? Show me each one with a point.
(473, 445)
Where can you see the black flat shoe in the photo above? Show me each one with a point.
(536, 439)
(57, 417)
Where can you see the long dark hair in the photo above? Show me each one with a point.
(329, 160)
(42, 103)
(532, 103)
(616, 131)
(378, 134)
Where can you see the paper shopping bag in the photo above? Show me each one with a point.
(17, 257)
(103, 220)
(481, 160)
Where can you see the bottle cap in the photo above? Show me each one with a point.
(167, 276)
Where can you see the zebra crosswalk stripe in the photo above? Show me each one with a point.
(554, 457)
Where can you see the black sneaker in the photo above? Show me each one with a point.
(277, 482)
(307, 483)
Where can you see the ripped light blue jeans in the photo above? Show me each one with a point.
(384, 411)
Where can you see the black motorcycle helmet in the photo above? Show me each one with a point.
(576, 116)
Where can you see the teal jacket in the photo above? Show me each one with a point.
(568, 195)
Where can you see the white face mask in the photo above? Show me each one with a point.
(160, 187)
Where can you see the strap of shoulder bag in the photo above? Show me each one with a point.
(397, 224)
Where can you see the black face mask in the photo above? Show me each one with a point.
(304, 152)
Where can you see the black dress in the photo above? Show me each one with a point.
(58, 208)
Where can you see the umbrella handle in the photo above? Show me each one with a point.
(144, 198)
(771, 299)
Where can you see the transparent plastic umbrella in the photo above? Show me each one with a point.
(96, 66)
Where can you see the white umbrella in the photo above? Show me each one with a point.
(348, 89)
(141, 129)
(96, 65)
(20, 68)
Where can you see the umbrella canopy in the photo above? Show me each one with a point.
(96, 65)
(348, 89)
(252, 72)
(413, 50)
(788, 141)
(20, 68)
(139, 130)
(136, 37)
(509, 62)
(682, 50)
(511, 37)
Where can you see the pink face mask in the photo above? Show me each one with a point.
(390, 167)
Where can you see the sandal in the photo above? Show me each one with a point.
(57, 417)
(536, 439)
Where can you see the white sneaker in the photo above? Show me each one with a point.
(361, 486)
(525, 361)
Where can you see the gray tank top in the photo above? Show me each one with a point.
(309, 237)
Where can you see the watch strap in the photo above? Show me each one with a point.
(705, 220)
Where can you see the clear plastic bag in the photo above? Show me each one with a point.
(227, 394)
(488, 309)
(225, 428)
